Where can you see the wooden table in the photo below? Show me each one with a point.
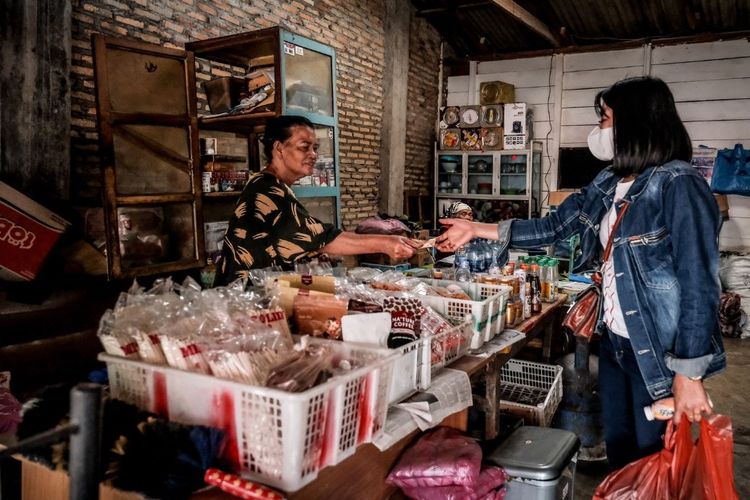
(362, 475)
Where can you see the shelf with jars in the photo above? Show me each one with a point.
(496, 184)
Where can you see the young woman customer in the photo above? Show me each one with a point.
(659, 324)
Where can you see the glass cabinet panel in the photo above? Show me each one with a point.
(308, 82)
(513, 174)
(156, 234)
(479, 174)
(450, 174)
(152, 159)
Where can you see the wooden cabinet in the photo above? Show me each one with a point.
(151, 134)
(496, 184)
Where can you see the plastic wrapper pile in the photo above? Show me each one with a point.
(224, 358)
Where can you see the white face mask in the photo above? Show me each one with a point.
(602, 143)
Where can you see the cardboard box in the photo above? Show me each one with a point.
(41, 483)
(28, 231)
(517, 127)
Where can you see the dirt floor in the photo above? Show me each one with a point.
(728, 394)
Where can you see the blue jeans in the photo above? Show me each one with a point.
(629, 436)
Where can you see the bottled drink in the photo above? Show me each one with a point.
(475, 256)
(536, 293)
(545, 279)
(553, 277)
(463, 273)
(520, 275)
(527, 311)
(660, 410)
(460, 257)
(488, 255)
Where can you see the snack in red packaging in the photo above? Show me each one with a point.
(406, 314)
(240, 487)
(433, 325)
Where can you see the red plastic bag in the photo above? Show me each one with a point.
(710, 473)
(683, 470)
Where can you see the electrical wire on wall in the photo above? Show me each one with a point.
(548, 171)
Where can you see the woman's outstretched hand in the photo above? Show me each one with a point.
(459, 232)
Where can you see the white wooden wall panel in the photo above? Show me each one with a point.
(711, 51)
(703, 71)
(598, 78)
(710, 82)
(730, 109)
(733, 88)
(604, 60)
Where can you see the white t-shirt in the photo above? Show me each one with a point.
(613, 317)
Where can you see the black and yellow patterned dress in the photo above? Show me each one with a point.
(269, 227)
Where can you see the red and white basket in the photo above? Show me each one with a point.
(275, 437)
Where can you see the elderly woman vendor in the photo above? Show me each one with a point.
(271, 227)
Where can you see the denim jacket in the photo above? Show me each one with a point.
(666, 257)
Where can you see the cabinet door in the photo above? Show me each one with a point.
(479, 174)
(148, 134)
(514, 174)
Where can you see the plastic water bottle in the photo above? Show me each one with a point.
(476, 257)
(488, 260)
(460, 257)
(463, 273)
(660, 410)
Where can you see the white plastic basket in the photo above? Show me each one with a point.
(278, 438)
(531, 390)
(487, 310)
(425, 356)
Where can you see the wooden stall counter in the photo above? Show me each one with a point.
(361, 476)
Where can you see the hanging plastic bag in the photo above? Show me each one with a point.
(732, 172)
(710, 473)
(655, 476)
(683, 470)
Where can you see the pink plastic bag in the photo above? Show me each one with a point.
(444, 457)
(10, 412)
(489, 480)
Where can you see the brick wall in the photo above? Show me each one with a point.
(353, 27)
(424, 63)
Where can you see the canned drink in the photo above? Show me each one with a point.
(206, 182)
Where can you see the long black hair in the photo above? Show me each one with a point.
(279, 128)
(647, 128)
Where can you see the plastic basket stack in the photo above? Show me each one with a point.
(278, 438)
(487, 310)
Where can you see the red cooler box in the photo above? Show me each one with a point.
(28, 231)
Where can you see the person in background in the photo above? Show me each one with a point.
(460, 210)
(659, 326)
(270, 227)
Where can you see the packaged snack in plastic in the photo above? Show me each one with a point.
(488, 486)
(319, 315)
(406, 314)
(443, 457)
(302, 369)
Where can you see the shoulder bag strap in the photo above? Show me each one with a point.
(608, 248)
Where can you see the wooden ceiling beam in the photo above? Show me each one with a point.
(529, 20)
(452, 8)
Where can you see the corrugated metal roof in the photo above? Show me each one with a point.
(478, 29)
